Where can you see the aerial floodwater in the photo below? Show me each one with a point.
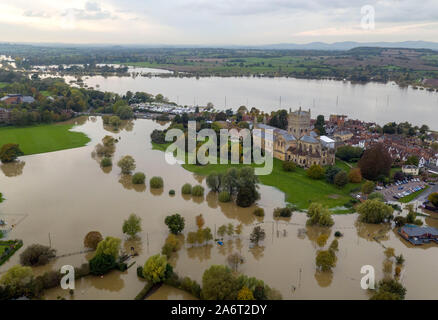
(374, 102)
(57, 198)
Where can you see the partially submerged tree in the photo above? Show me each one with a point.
(37, 255)
(92, 239)
(257, 235)
(132, 226)
(175, 223)
(126, 164)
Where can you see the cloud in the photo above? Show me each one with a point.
(220, 21)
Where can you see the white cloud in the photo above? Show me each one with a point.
(215, 22)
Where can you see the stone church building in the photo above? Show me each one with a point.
(299, 143)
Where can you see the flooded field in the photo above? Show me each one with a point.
(57, 198)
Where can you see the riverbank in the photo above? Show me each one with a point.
(43, 138)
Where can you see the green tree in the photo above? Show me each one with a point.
(127, 164)
(16, 277)
(330, 173)
(319, 215)
(175, 223)
(154, 269)
(389, 289)
(156, 182)
(222, 230)
(102, 264)
(132, 226)
(109, 246)
(186, 188)
(341, 179)
(37, 255)
(325, 260)
(10, 152)
(376, 196)
(257, 235)
(315, 172)
(214, 181)
(374, 211)
(349, 153)
(138, 178)
(319, 124)
(368, 187)
(412, 160)
(218, 283)
(375, 161)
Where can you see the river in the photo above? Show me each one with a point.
(374, 102)
(59, 197)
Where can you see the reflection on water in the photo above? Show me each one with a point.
(324, 279)
(126, 181)
(166, 292)
(85, 198)
(12, 169)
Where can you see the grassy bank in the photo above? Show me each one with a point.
(43, 138)
(297, 187)
(412, 196)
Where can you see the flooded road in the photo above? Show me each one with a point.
(57, 198)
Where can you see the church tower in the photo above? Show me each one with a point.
(298, 123)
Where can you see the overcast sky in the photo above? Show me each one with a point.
(215, 22)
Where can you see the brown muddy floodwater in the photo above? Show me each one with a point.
(61, 196)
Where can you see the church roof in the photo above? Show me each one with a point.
(309, 139)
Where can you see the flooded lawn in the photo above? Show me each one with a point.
(59, 197)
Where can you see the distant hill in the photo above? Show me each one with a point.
(347, 45)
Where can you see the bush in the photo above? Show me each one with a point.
(140, 272)
(10, 152)
(106, 162)
(198, 191)
(186, 189)
(315, 172)
(259, 212)
(37, 255)
(156, 182)
(224, 196)
(283, 212)
(354, 176)
(341, 179)
(289, 166)
(138, 178)
(171, 192)
(92, 239)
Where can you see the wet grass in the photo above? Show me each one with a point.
(43, 138)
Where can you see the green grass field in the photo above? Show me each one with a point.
(43, 138)
(298, 188)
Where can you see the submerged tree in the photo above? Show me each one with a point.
(132, 226)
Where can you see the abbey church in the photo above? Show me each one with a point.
(299, 143)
